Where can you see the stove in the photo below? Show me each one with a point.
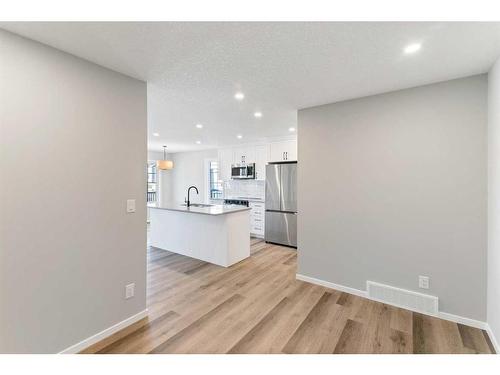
(240, 202)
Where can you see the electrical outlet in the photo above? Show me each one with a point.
(129, 290)
(423, 282)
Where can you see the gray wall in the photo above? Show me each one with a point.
(494, 199)
(189, 169)
(72, 151)
(156, 155)
(393, 186)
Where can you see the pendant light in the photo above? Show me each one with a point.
(165, 164)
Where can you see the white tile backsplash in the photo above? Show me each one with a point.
(244, 189)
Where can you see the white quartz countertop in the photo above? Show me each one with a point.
(216, 209)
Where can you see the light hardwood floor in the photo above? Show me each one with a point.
(257, 306)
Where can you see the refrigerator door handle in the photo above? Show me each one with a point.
(284, 212)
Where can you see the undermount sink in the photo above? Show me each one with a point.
(198, 205)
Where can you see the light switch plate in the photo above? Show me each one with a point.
(130, 205)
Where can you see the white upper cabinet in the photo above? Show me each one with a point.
(253, 154)
(225, 160)
(283, 151)
(244, 155)
(258, 154)
(261, 158)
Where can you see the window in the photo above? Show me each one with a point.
(152, 182)
(215, 183)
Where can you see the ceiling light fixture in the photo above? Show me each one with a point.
(412, 48)
(239, 96)
(291, 129)
(199, 126)
(239, 136)
(156, 134)
(165, 164)
(258, 114)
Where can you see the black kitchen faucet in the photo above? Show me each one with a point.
(189, 189)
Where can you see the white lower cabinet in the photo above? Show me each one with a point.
(257, 218)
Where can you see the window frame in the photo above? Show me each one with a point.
(155, 181)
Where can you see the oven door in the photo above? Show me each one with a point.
(238, 172)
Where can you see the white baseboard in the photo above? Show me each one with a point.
(362, 293)
(462, 320)
(493, 339)
(78, 347)
(342, 288)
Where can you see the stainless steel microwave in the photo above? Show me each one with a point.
(243, 171)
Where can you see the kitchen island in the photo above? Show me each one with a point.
(217, 234)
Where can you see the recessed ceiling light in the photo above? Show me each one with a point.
(258, 114)
(291, 129)
(156, 134)
(198, 142)
(199, 126)
(239, 136)
(412, 48)
(239, 96)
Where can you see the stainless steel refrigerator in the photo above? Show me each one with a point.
(281, 203)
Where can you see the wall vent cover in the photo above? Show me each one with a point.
(403, 298)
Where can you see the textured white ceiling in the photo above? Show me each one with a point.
(194, 69)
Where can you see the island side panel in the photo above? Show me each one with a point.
(195, 235)
(238, 236)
